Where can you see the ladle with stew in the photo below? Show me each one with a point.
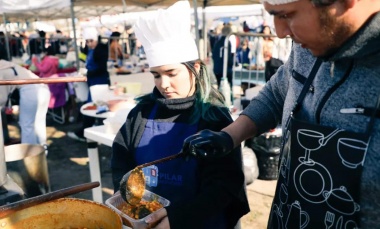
(132, 185)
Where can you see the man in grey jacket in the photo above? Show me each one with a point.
(326, 97)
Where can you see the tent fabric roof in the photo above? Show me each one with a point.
(150, 3)
(57, 9)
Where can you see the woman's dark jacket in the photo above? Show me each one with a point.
(221, 181)
(100, 58)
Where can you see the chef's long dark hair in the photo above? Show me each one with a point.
(206, 95)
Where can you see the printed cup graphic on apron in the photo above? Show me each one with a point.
(312, 140)
(321, 168)
(352, 152)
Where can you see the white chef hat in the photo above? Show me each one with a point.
(165, 35)
(90, 33)
(278, 2)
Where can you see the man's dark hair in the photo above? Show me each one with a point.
(115, 34)
(42, 33)
(323, 2)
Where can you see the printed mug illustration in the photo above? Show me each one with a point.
(309, 169)
(312, 140)
(352, 152)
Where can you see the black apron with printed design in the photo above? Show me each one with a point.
(319, 177)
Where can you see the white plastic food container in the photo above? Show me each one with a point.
(116, 200)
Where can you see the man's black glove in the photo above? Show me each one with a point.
(208, 144)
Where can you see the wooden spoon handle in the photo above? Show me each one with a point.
(180, 154)
(11, 208)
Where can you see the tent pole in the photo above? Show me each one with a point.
(6, 37)
(125, 25)
(204, 32)
(196, 24)
(75, 34)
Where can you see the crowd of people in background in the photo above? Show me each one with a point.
(42, 52)
(260, 49)
(325, 99)
(20, 43)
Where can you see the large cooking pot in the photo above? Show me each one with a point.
(64, 213)
(27, 166)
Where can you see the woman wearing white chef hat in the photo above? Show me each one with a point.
(202, 193)
(96, 64)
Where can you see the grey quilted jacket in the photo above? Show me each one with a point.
(331, 92)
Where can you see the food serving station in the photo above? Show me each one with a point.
(53, 209)
(50, 210)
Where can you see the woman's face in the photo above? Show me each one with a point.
(174, 81)
(91, 43)
(266, 30)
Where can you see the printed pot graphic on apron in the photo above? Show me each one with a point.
(320, 171)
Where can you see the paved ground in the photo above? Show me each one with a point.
(68, 166)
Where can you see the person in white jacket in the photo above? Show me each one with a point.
(34, 101)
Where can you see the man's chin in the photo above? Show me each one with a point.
(314, 52)
(323, 53)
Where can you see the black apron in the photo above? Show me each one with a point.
(320, 172)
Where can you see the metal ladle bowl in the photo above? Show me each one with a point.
(132, 185)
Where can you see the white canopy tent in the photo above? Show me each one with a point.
(44, 10)
(31, 10)
(211, 17)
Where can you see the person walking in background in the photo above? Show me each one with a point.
(263, 48)
(36, 43)
(3, 49)
(96, 60)
(218, 56)
(96, 64)
(243, 54)
(34, 100)
(327, 98)
(48, 65)
(183, 102)
(268, 43)
(59, 43)
(16, 46)
(214, 35)
(116, 52)
(268, 49)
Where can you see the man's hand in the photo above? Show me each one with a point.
(208, 144)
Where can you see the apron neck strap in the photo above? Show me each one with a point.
(307, 84)
(373, 117)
